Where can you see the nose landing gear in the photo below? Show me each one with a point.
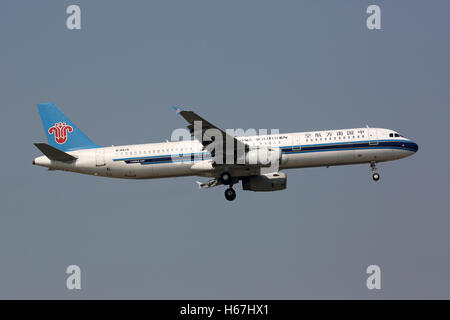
(375, 174)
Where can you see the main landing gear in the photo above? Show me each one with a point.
(226, 178)
(230, 194)
(375, 174)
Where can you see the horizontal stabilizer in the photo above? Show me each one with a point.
(53, 153)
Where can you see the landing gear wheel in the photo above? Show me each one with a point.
(375, 174)
(230, 194)
(225, 178)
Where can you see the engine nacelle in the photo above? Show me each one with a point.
(265, 182)
(263, 156)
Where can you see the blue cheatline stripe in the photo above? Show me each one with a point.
(345, 149)
(160, 156)
(174, 158)
(406, 145)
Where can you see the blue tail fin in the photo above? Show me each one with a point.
(62, 133)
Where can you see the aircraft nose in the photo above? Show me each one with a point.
(414, 146)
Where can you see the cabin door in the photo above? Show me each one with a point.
(296, 143)
(373, 136)
(100, 157)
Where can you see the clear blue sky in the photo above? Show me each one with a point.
(291, 65)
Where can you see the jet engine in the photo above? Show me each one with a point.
(265, 182)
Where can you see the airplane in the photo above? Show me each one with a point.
(257, 161)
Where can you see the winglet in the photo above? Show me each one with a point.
(177, 109)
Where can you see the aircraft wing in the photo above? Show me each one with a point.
(210, 136)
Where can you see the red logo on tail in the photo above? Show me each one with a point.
(60, 131)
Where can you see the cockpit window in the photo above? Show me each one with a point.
(395, 135)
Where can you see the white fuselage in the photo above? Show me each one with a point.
(187, 158)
